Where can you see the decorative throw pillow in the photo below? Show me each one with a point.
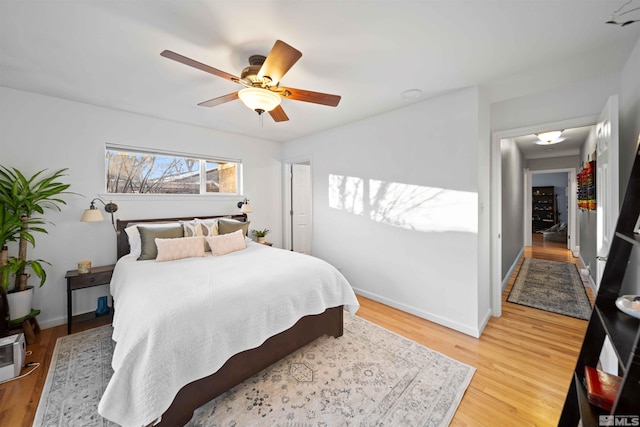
(226, 226)
(184, 247)
(200, 227)
(149, 234)
(227, 243)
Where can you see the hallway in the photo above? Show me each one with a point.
(551, 251)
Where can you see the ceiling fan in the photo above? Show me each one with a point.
(261, 80)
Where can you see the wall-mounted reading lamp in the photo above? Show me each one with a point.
(244, 206)
(93, 214)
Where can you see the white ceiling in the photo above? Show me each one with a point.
(107, 53)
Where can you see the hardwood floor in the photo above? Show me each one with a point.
(524, 359)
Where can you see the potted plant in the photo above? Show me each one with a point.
(260, 234)
(10, 228)
(21, 199)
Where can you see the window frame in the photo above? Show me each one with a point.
(203, 160)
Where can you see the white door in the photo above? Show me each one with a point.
(606, 181)
(301, 208)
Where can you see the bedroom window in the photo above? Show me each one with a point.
(129, 171)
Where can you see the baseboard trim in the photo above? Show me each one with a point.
(592, 283)
(505, 280)
(474, 332)
(50, 323)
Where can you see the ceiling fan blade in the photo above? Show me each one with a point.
(278, 114)
(279, 61)
(219, 100)
(199, 65)
(309, 96)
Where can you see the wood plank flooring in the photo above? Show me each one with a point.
(524, 359)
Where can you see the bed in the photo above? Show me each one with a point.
(188, 330)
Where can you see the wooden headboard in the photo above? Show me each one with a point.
(123, 239)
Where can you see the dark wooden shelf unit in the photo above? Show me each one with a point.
(543, 208)
(607, 321)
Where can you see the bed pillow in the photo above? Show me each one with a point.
(227, 243)
(133, 236)
(184, 247)
(149, 234)
(200, 227)
(226, 226)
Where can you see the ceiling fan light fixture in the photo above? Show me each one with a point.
(258, 99)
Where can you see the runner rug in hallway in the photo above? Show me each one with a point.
(369, 376)
(551, 286)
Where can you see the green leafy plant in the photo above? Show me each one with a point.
(21, 200)
(15, 266)
(260, 233)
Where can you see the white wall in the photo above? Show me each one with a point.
(580, 99)
(407, 249)
(38, 132)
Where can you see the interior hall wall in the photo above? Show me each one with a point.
(395, 206)
(41, 132)
(513, 163)
(588, 218)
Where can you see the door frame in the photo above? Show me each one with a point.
(496, 195)
(572, 215)
(286, 202)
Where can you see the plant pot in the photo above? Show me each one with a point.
(260, 239)
(4, 313)
(20, 303)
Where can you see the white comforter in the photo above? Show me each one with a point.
(179, 321)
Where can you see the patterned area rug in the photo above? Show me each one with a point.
(551, 286)
(369, 376)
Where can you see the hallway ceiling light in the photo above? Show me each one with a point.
(548, 138)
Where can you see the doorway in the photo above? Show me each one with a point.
(562, 185)
(298, 206)
(498, 206)
(607, 140)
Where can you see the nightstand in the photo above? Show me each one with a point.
(98, 276)
(266, 243)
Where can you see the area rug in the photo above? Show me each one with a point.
(551, 286)
(369, 376)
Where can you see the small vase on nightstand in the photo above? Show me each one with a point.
(261, 239)
(103, 307)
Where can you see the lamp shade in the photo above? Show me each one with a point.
(246, 208)
(92, 215)
(258, 99)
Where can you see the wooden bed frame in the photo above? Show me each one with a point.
(247, 363)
